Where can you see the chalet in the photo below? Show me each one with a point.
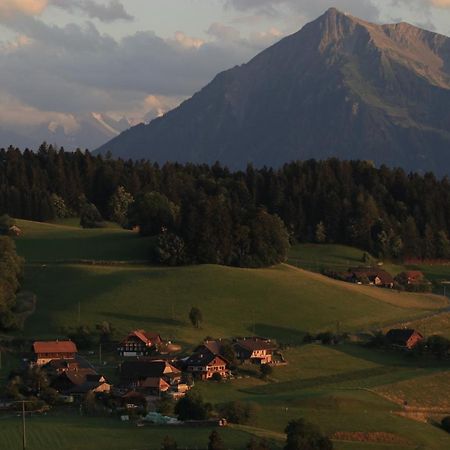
(373, 276)
(14, 231)
(46, 351)
(204, 364)
(255, 350)
(149, 375)
(414, 277)
(404, 338)
(80, 382)
(58, 366)
(140, 343)
(92, 383)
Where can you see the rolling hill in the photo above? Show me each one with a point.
(88, 276)
(339, 87)
(282, 302)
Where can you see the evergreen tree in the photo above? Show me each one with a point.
(195, 316)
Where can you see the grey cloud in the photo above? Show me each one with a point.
(112, 11)
(76, 69)
(310, 9)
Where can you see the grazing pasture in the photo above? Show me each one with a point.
(89, 276)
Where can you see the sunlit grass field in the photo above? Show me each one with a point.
(88, 276)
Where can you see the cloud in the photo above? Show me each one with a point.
(11, 8)
(309, 9)
(188, 41)
(110, 12)
(440, 3)
(75, 69)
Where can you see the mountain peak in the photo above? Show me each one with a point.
(341, 86)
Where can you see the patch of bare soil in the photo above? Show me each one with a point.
(379, 437)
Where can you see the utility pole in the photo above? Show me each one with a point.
(24, 430)
(100, 352)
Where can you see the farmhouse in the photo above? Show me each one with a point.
(140, 343)
(373, 276)
(255, 350)
(80, 382)
(46, 351)
(414, 277)
(59, 366)
(205, 364)
(150, 376)
(14, 231)
(404, 338)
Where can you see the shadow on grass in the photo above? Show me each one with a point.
(363, 378)
(392, 358)
(286, 336)
(146, 319)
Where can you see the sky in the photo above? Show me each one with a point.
(63, 58)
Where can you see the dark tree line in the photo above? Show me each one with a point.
(213, 215)
(11, 267)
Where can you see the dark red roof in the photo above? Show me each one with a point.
(54, 347)
(255, 343)
(147, 338)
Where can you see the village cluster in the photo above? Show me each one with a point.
(148, 370)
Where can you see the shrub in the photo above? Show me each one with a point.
(265, 370)
(445, 424)
(238, 412)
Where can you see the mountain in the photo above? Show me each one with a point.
(85, 131)
(339, 87)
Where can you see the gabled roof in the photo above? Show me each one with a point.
(213, 346)
(158, 383)
(54, 347)
(149, 339)
(203, 359)
(369, 272)
(256, 343)
(87, 386)
(147, 369)
(415, 275)
(68, 364)
(401, 336)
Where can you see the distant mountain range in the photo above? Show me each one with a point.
(339, 87)
(87, 131)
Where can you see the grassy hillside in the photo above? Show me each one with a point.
(281, 302)
(342, 389)
(346, 388)
(316, 257)
(44, 242)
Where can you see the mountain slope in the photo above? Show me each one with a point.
(339, 87)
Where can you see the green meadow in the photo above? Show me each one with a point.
(88, 276)
(316, 257)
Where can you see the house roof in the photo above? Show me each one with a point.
(414, 275)
(401, 336)
(146, 337)
(256, 343)
(214, 346)
(87, 386)
(147, 369)
(158, 383)
(68, 364)
(203, 359)
(54, 347)
(385, 277)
